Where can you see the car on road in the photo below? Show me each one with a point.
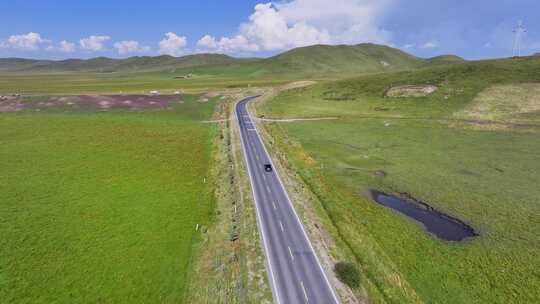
(268, 168)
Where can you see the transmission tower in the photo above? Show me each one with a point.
(518, 31)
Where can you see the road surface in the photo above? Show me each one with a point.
(295, 272)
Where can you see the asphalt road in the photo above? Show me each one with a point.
(295, 272)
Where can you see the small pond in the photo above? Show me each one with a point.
(439, 224)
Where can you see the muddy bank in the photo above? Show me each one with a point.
(441, 225)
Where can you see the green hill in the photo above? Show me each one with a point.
(445, 59)
(103, 64)
(312, 61)
(320, 59)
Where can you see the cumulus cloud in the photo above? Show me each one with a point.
(296, 23)
(409, 46)
(347, 21)
(430, 45)
(237, 44)
(63, 47)
(269, 28)
(66, 46)
(94, 43)
(31, 41)
(172, 44)
(130, 46)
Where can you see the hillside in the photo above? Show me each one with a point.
(317, 60)
(103, 64)
(320, 59)
(445, 59)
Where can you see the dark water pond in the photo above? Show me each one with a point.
(439, 224)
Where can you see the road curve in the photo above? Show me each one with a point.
(295, 272)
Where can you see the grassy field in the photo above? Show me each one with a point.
(117, 83)
(483, 169)
(101, 207)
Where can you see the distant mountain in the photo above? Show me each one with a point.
(320, 59)
(103, 64)
(445, 59)
(316, 61)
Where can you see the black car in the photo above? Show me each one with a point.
(268, 168)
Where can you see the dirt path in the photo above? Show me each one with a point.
(297, 119)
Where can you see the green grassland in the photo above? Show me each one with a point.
(101, 207)
(485, 172)
(119, 83)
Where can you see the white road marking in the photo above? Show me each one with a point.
(274, 203)
(267, 188)
(281, 226)
(290, 252)
(275, 290)
(298, 218)
(259, 218)
(305, 292)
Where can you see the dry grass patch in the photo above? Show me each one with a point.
(504, 102)
(411, 91)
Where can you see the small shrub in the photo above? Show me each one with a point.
(348, 274)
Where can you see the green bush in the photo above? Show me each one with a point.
(348, 274)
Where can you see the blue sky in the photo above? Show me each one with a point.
(66, 29)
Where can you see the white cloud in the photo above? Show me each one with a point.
(296, 23)
(409, 46)
(430, 45)
(130, 46)
(237, 44)
(66, 46)
(347, 21)
(172, 45)
(31, 41)
(271, 30)
(94, 43)
(207, 42)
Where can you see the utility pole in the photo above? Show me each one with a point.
(518, 32)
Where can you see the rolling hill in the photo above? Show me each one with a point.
(103, 64)
(322, 59)
(311, 61)
(445, 59)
